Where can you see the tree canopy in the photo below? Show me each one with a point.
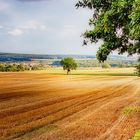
(117, 23)
(68, 64)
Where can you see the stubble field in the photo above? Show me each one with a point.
(48, 106)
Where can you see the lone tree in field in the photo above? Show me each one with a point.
(68, 64)
(117, 23)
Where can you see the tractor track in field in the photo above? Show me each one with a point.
(33, 106)
(12, 111)
(110, 100)
(76, 108)
(109, 132)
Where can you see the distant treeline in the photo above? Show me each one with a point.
(18, 67)
(11, 57)
(95, 63)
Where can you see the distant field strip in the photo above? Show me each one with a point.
(31, 101)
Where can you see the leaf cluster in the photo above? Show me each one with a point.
(68, 63)
(117, 23)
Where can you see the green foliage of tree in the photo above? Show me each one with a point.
(20, 67)
(8, 67)
(12, 67)
(1, 67)
(68, 64)
(36, 67)
(117, 23)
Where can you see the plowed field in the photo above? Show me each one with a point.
(43, 106)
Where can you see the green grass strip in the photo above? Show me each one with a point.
(136, 136)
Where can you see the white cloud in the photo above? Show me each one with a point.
(27, 27)
(43, 27)
(16, 32)
(4, 6)
(1, 27)
(33, 25)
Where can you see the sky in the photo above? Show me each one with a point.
(44, 27)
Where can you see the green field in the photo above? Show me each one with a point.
(94, 71)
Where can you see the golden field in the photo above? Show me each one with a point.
(90, 104)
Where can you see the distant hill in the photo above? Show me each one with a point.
(14, 57)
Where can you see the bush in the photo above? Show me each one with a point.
(138, 70)
(36, 67)
(131, 110)
(106, 65)
(13, 67)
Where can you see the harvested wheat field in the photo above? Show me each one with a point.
(43, 106)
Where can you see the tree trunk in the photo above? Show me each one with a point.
(68, 70)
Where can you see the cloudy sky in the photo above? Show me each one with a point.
(43, 27)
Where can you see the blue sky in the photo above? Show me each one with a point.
(43, 27)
